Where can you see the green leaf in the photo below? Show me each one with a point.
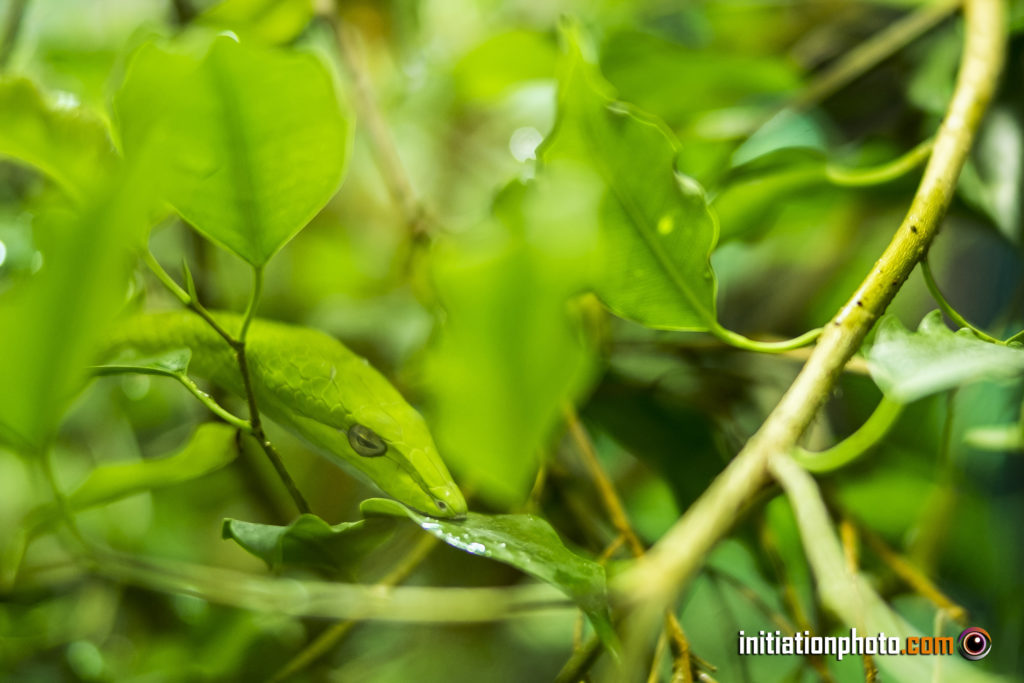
(678, 82)
(268, 21)
(59, 314)
(211, 447)
(254, 139)
(911, 365)
(309, 542)
(993, 177)
(509, 355)
(656, 230)
(786, 130)
(172, 363)
(503, 62)
(67, 143)
(525, 542)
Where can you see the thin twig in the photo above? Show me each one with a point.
(255, 425)
(870, 53)
(947, 308)
(616, 511)
(385, 151)
(850, 542)
(914, 577)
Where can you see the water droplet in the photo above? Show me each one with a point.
(3, 253)
(523, 143)
(476, 548)
(37, 262)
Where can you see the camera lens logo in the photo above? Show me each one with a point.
(974, 643)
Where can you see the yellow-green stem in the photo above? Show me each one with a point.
(852, 447)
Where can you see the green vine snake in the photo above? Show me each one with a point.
(311, 384)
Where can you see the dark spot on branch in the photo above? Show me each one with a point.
(913, 229)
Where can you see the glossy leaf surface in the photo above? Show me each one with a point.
(254, 139)
(525, 542)
(309, 542)
(911, 365)
(656, 230)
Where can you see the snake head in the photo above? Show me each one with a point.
(339, 403)
(391, 447)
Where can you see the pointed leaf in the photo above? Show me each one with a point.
(657, 232)
(254, 138)
(509, 354)
(63, 141)
(173, 363)
(911, 365)
(309, 542)
(211, 447)
(525, 542)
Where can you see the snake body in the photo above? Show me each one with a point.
(314, 386)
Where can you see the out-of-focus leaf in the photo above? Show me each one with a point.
(786, 130)
(211, 447)
(911, 365)
(309, 542)
(993, 178)
(525, 542)
(174, 362)
(55, 319)
(509, 355)
(503, 62)
(62, 140)
(254, 139)
(657, 232)
(269, 21)
(650, 71)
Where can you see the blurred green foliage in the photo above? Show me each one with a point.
(502, 165)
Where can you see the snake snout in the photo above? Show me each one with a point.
(448, 502)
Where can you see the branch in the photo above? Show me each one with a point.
(254, 427)
(382, 143)
(660, 575)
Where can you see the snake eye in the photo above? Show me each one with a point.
(365, 441)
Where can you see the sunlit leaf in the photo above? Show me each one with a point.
(211, 447)
(508, 354)
(254, 139)
(525, 542)
(270, 21)
(309, 542)
(656, 230)
(62, 140)
(504, 61)
(911, 365)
